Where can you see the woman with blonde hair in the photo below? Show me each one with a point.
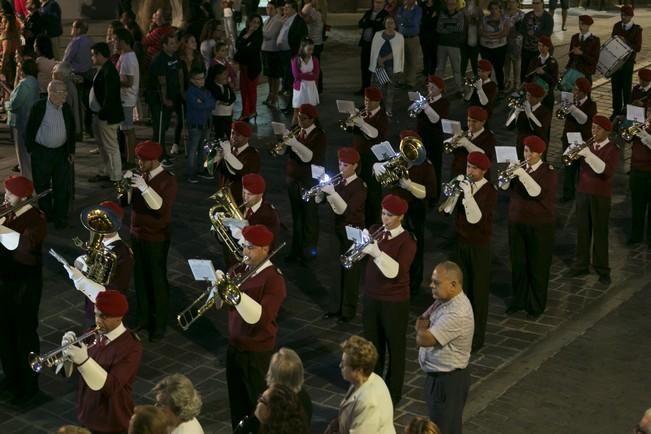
(286, 368)
(147, 419)
(180, 403)
(422, 425)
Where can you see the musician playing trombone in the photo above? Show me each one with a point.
(22, 233)
(640, 180)
(531, 119)
(478, 139)
(532, 194)
(484, 90)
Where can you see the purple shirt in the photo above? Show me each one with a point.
(77, 54)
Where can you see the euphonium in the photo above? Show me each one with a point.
(355, 252)
(412, 153)
(57, 356)
(505, 176)
(631, 131)
(418, 105)
(100, 261)
(308, 195)
(571, 154)
(450, 144)
(225, 207)
(349, 123)
(278, 148)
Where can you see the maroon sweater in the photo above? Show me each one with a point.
(268, 289)
(302, 172)
(572, 126)
(539, 210)
(480, 233)
(586, 62)
(110, 408)
(423, 174)
(32, 227)
(599, 184)
(526, 127)
(380, 121)
(632, 36)
(490, 89)
(154, 225)
(354, 194)
(485, 141)
(376, 286)
(250, 159)
(641, 155)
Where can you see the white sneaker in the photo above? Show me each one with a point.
(175, 149)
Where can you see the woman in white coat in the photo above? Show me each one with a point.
(387, 55)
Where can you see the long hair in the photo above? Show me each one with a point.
(286, 413)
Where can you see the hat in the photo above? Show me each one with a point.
(19, 186)
(644, 74)
(348, 155)
(479, 159)
(149, 150)
(258, 235)
(535, 90)
(627, 10)
(253, 183)
(586, 19)
(410, 133)
(436, 81)
(545, 40)
(535, 144)
(373, 93)
(477, 113)
(114, 207)
(395, 204)
(603, 122)
(309, 110)
(583, 84)
(242, 128)
(485, 65)
(112, 303)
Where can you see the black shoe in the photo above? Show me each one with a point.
(167, 163)
(577, 272)
(192, 180)
(287, 111)
(604, 279)
(344, 319)
(512, 309)
(205, 175)
(329, 315)
(532, 316)
(99, 178)
(16, 168)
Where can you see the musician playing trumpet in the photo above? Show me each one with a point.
(640, 179)
(484, 90)
(347, 201)
(480, 139)
(532, 203)
(641, 93)
(533, 118)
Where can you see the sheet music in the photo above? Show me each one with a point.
(451, 127)
(278, 128)
(574, 138)
(635, 113)
(383, 151)
(354, 234)
(506, 154)
(317, 171)
(345, 106)
(202, 269)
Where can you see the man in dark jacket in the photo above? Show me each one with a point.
(289, 40)
(104, 102)
(371, 22)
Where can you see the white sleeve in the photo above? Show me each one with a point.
(596, 163)
(337, 203)
(483, 99)
(470, 146)
(534, 118)
(387, 265)
(645, 138)
(419, 191)
(368, 129)
(9, 238)
(431, 114)
(530, 184)
(89, 287)
(514, 116)
(473, 213)
(93, 374)
(152, 198)
(448, 204)
(233, 161)
(303, 152)
(580, 117)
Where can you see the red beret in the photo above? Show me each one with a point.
(395, 204)
(242, 128)
(149, 150)
(254, 183)
(535, 144)
(437, 81)
(112, 303)
(373, 93)
(479, 159)
(627, 10)
(477, 113)
(348, 155)
(545, 40)
(258, 235)
(535, 90)
(19, 185)
(644, 74)
(112, 206)
(586, 19)
(603, 122)
(309, 110)
(485, 65)
(583, 84)
(410, 133)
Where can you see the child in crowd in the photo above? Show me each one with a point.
(305, 69)
(199, 104)
(223, 93)
(221, 58)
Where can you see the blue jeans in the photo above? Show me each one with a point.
(195, 149)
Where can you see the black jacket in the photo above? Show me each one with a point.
(366, 22)
(106, 86)
(248, 53)
(34, 122)
(297, 32)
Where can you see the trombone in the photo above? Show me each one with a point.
(355, 252)
(308, 195)
(10, 210)
(58, 356)
(571, 154)
(278, 148)
(505, 176)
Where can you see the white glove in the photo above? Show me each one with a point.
(466, 188)
(236, 232)
(584, 152)
(379, 169)
(645, 138)
(477, 84)
(74, 274)
(139, 182)
(328, 189)
(78, 354)
(519, 172)
(3, 220)
(405, 183)
(226, 147)
(68, 337)
(372, 249)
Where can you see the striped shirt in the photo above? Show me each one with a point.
(452, 324)
(52, 132)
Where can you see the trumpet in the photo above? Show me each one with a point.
(563, 110)
(571, 154)
(633, 130)
(355, 252)
(308, 195)
(58, 356)
(349, 123)
(123, 186)
(453, 187)
(419, 104)
(451, 143)
(278, 148)
(469, 82)
(505, 176)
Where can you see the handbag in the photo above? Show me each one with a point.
(381, 76)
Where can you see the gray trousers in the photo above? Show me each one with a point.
(413, 62)
(107, 140)
(454, 54)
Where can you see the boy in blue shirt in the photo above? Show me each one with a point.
(199, 104)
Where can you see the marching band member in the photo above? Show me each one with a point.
(642, 91)
(429, 125)
(531, 228)
(347, 202)
(251, 345)
(369, 131)
(386, 292)
(151, 219)
(578, 120)
(622, 80)
(640, 184)
(484, 90)
(257, 210)
(306, 149)
(22, 234)
(584, 49)
(481, 140)
(474, 228)
(236, 159)
(594, 192)
(545, 67)
(108, 368)
(533, 118)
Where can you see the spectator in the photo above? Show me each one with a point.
(248, 45)
(534, 24)
(147, 419)
(113, 27)
(270, 59)
(189, 56)
(371, 22)
(35, 23)
(387, 55)
(428, 35)
(9, 44)
(44, 61)
(209, 36)
(20, 8)
(470, 48)
(644, 427)
(450, 29)
(493, 32)
(63, 72)
(221, 58)
(278, 411)
(408, 18)
(20, 103)
(180, 403)
(315, 31)
(422, 425)
(513, 15)
(129, 71)
(77, 52)
(199, 104)
(230, 27)
(305, 70)
(286, 368)
(153, 40)
(290, 37)
(51, 11)
(224, 95)
(128, 20)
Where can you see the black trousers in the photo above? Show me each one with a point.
(621, 84)
(570, 178)
(161, 118)
(318, 49)
(415, 223)
(245, 377)
(592, 215)
(222, 126)
(475, 263)
(346, 301)
(531, 249)
(496, 57)
(446, 394)
(21, 298)
(305, 220)
(385, 324)
(525, 60)
(285, 59)
(428, 47)
(152, 288)
(469, 54)
(373, 189)
(51, 168)
(640, 184)
(365, 61)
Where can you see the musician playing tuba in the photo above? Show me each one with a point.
(478, 139)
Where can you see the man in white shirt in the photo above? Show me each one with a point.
(129, 71)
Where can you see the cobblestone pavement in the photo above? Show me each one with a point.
(200, 352)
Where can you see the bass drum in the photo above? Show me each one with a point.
(614, 53)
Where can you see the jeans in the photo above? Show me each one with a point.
(195, 149)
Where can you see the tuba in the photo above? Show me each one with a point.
(412, 153)
(571, 153)
(633, 130)
(225, 207)
(355, 252)
(100, 260)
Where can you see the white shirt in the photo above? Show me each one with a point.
(190, 427)
(395, 232)
(115, 333)
(283, 36)
(600, 145)
(350, 179)
(254, 208)
(52, 131)
(128, 67)
(156, 171)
